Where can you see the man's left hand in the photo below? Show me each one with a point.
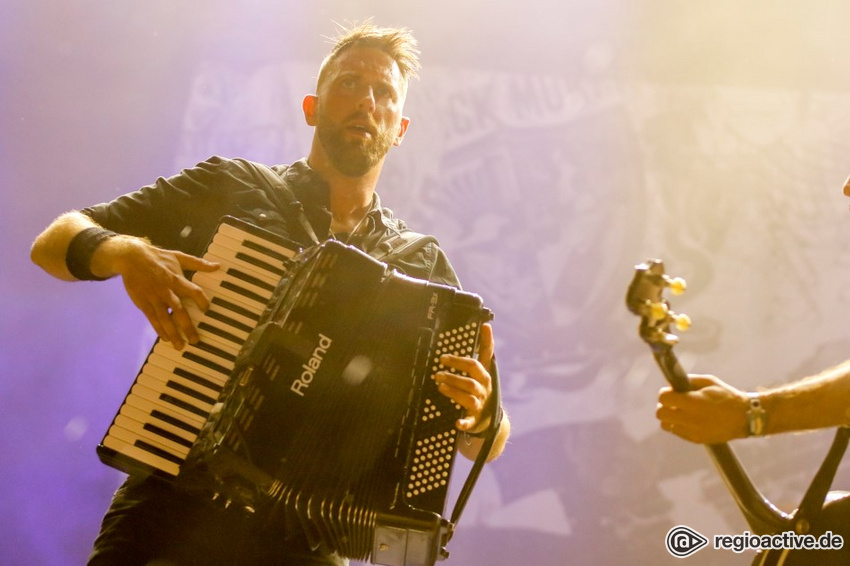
(472, 391)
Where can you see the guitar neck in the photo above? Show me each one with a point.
(762, 516)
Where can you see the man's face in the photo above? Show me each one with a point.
(358, 113)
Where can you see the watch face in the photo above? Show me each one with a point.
(756, 416)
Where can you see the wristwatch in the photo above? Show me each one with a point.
(756, 416)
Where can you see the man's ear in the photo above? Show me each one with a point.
(310, 105)
(402, 129)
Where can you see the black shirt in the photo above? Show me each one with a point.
(182, 212)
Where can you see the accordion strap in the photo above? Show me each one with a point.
(489, 439)
(291, 205)
(400, 245)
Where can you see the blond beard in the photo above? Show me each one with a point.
(351, 158)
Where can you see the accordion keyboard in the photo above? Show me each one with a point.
(175, 390)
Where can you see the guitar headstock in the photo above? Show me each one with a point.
(645, 298)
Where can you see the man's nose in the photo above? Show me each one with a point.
(367, 100)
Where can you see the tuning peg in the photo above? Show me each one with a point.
(682, 321)
(677, 284)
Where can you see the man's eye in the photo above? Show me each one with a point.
(348, 83)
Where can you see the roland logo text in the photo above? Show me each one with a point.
(311, 366)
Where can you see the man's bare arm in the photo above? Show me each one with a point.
(50, 247)
(153, 277)
(716, 412)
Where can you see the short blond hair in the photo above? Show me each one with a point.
(398, 43)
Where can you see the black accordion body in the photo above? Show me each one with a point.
(329, 420)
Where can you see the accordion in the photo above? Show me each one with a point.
(329, 421)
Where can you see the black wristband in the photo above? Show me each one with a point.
(82, 248)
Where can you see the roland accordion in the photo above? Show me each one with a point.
(326, 420)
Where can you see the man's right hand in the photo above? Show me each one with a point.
(153, 277)
(713, 413)
(154, 280)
